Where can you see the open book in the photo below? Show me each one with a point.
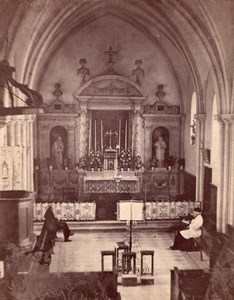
(130, 210)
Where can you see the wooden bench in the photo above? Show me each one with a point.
(189, 284)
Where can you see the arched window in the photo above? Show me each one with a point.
(192, 119)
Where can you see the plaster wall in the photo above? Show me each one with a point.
(91, 42)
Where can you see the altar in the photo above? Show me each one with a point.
(111, 182)
(110, 144)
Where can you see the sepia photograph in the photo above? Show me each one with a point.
(116, 149)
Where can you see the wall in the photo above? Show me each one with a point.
(91, 42)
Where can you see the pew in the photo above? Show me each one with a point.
(189, 284)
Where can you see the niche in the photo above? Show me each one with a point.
(160, 147)
(58, 147)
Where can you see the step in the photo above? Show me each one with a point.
(160, 225)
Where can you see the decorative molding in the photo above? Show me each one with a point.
(200, 117)
(111, 186)
(161, 107)
(227, 118)
(58, 106)
(109, 85)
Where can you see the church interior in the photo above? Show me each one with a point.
(117, 115)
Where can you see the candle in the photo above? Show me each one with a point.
(90, 133)
(101, 136)
(126, 134)
(95, 135)
(120, 134)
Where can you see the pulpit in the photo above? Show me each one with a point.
(16, 217)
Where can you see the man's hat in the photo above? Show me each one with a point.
(197, 209)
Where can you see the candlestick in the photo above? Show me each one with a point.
(95, 135)
(90, 133)
(126, 134)
(101, 136)
(120, 134)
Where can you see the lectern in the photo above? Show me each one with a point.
(131, 210)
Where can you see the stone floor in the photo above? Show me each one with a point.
(83, 254)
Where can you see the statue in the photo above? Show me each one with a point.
(57, 152)
(160, 147)
(138, 72)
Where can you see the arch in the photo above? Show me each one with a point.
(157, 14)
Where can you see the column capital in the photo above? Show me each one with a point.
(200, 117)
(83, 111)
(70, 127)
(227, 118)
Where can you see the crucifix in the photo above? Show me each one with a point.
(110, 52)
(110, 63)
(110, 133)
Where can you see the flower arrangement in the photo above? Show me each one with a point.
(170, 161)
(95, 159)
(138, 163)
(82, 163)
(125, 159)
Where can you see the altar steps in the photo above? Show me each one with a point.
(159, 225)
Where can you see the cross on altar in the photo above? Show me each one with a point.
(110, 133)
(110, 52)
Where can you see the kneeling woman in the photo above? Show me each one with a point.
(183, 238)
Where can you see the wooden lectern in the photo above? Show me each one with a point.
(131, 210)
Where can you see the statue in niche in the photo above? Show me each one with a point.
(160, 148)
(57, 152)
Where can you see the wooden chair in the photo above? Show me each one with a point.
(69, 194)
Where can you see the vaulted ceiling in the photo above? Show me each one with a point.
(190, 35)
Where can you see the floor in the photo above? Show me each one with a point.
(83, 254)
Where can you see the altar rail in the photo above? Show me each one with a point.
(78, 211)
(169, 209)
(86, 211)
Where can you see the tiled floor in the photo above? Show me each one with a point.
(83, 254)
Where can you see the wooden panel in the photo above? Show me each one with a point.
(190, 186)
